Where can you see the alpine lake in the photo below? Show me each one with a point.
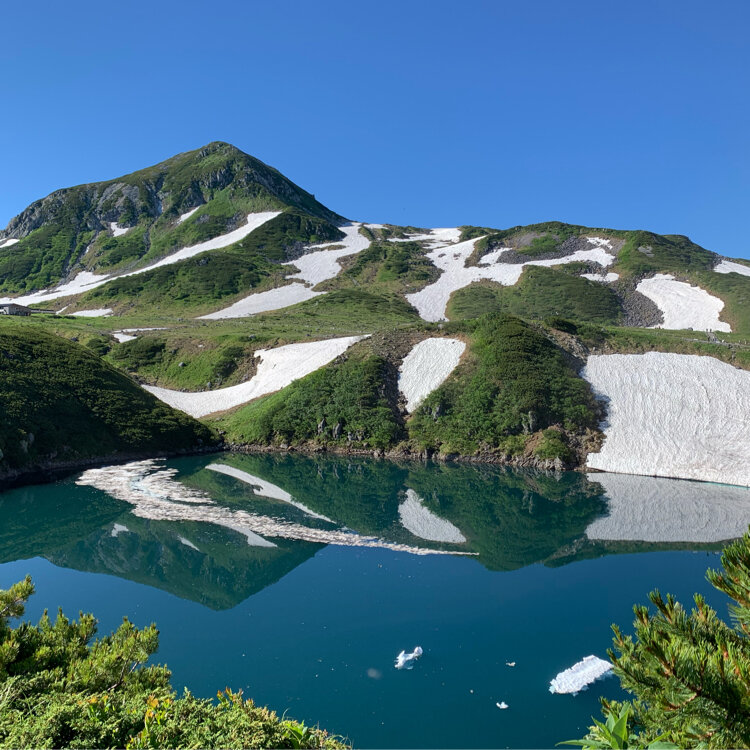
(299, 579)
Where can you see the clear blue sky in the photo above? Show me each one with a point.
(629, 114)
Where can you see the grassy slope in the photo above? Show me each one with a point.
(77, 407)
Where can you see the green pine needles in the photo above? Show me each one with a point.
(689, 672)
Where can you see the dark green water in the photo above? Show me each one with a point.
(313, 628)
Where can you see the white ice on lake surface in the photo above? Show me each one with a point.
(728, 266)
(580, 675)
(432, 301)
(426, 366)
(86, 280)
(155, 493)
(262, 488)
(683, 306)
(406, 661)
(319, 263)
(99, 312)
(673, 415)
(117, 230)
(278, 368)
(650, 509)
(604, 278)
(416, 518)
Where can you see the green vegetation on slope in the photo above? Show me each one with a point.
(646, 253)
(515, 382)
(61, 688)
(344, 404)
(540, 293)
(60, 403)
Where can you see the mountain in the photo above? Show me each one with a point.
(231, 294)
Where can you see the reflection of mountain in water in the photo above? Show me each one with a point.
(218, 529)
(91, 531)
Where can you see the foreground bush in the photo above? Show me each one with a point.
(60, 688)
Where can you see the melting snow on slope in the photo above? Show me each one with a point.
(9, 242)
(728, 266)
(85, 280)
(125, 334)
(580, 675)
(433, 299)
(99, 312)
(604, 278)
(264, 489)
(277, 369)
(683, 306)
(416, 518)
(426, 366)
(188, 214)
(646, 509)
(320, 263)
(117, 230)
(123, 337)
(156, 494)
(673, 415)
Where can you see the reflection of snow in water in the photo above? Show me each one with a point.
(265, 489)
(422, 522)
(649, 509)
(580, 675)
(157, 495)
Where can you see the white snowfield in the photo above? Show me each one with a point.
(99, 312)
(683, 306)
(673, 415)
(320, 263)
(188, 214)
(263, 488)
(725, 266)
(277, 369)
(86, 281)
(648, 509)
(604, 278)
(422, 522)
(436, 237)
(154, 493)
(122, 337)
(117, 230)
(126, 333)
(8, 242)
(426, 366)
(431, 301)
(580, 675)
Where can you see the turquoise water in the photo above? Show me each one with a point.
(313, 628)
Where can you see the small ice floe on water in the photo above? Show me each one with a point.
(502, 704)
(406, 661)
(580, 675)
(510, 664)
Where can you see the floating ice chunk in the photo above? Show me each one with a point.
(580, 675)
(510, 664)
(725, 266)
(502, 704)
(406, 661)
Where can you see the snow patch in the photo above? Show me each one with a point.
(426, 366)
(117, 529)
(725, 266)
(422, 522)
(580, 675)
(264, 489)
(604, 278)
(117, 230)
(188, 214)
(673, 415)
(647, 509)
(683, 306)
(187, 543)
(9, 242)
(431, 301)
(123, 337)
(99, 312)
(277, 369)
(319, 263)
